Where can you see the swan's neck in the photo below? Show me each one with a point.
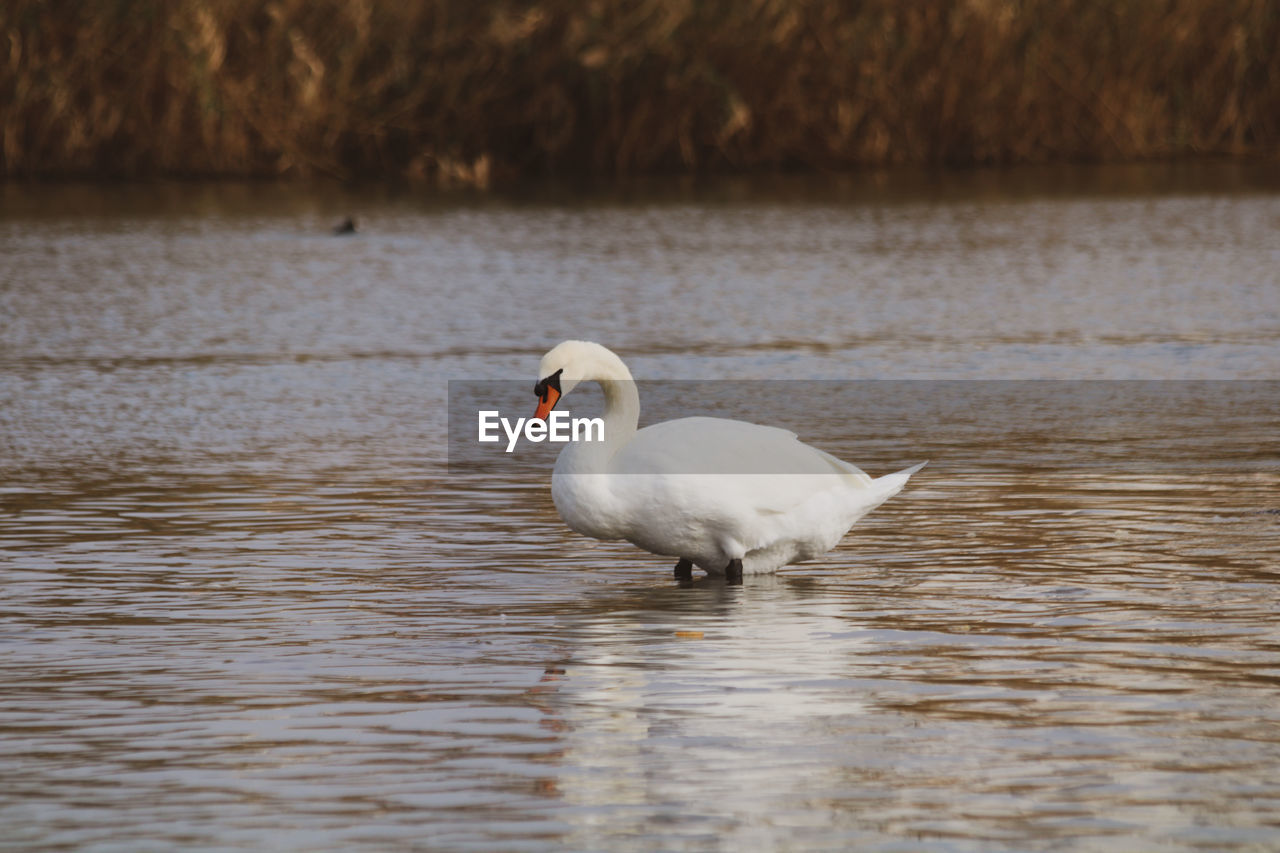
(621, 411)
(621, 417)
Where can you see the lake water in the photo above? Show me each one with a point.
(247, 603)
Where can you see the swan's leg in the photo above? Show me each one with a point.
(733, 572)
(684, 570)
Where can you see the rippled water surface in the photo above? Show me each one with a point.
(247, 605)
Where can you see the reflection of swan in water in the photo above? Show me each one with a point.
(645, 716)
(725, 495)
(717, 648)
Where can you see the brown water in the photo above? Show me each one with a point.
(246, 605)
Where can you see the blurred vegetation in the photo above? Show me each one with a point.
(463, 91)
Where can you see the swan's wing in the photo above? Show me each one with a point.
(773, 470)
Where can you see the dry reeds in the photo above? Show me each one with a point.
(463, 91)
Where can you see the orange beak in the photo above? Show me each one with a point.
(547, 402)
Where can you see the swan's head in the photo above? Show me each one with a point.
(572, 362)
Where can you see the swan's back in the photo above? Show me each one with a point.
(719, 446)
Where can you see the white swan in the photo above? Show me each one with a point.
(727, 496)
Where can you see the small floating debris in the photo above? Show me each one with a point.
(347, 226)
(690, 635)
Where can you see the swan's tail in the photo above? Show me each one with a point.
(890, 484)
(879, 491)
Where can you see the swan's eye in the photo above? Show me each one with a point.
(552, 381)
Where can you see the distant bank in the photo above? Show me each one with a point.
(465, 92)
